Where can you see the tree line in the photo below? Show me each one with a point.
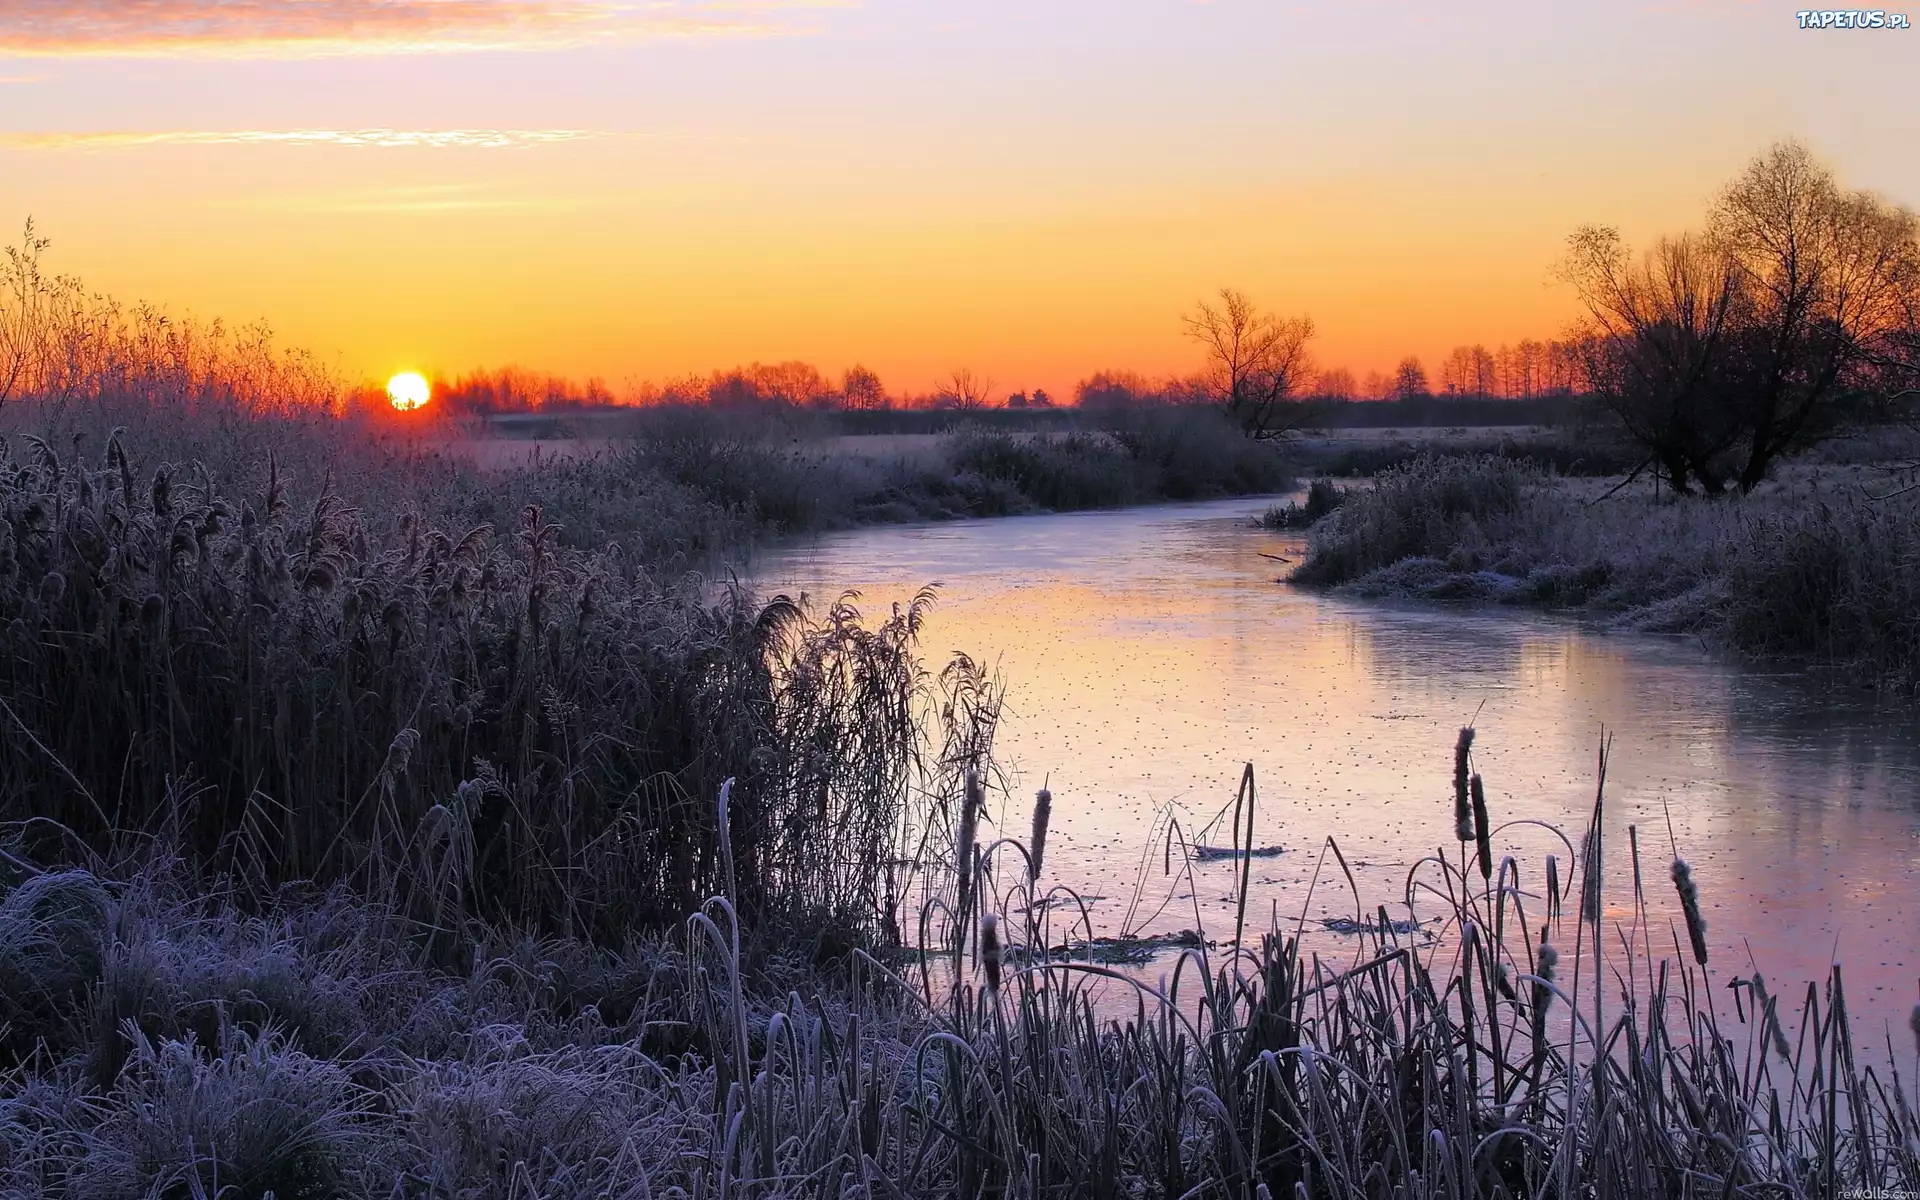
(1794, 310)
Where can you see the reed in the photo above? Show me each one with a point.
(468, 721)
(319, 1045)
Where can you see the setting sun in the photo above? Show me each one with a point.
(409, 390)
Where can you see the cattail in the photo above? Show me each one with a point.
(1042, 813)
(1690, 904)
(1553, 886)
(1549, 958)
(1590, 876)
(1772, 1022)
(1913, 1022)
(1462, 805)
(1482, 835)
(990, 949)
(963, 846)
(724, 827)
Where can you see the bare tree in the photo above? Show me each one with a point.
(1723, 351)
(965, 390)
(1410, 380)
(1656, 346)
(1336, 384)
(861, 389)
(1258, 362)
(1831, 277)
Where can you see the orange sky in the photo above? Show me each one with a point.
(1034, 189)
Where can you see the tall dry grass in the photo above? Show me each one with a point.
(1532, 1049)
(283, 692)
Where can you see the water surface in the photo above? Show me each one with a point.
(1150, 653)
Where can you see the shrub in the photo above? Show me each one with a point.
(1065, 473)
(53, 943)
(1323, 497)
(1192, 452)
(1836, 581)
(253, 1118)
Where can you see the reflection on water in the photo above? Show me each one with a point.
(1150, 653)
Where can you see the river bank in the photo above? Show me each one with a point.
(1819, 568)
(746, 479)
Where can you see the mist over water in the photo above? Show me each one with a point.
(1151, 653)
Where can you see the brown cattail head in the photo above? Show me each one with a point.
(1590, 876)
(1553, 885)
(1462, 805)
(1544, 965)
(990, 949)
(1482, 835)
(1769, 1018)
(963, 841)
(1914, 1022)
(1690, 905)
(1042, 813)
(969, 818)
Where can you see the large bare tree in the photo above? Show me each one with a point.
(966, 390)
(1657, 347)
(1829, 277)
(1257, 362)
(1722, 351)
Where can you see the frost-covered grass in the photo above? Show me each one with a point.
(166, 1037)
(1811, 567)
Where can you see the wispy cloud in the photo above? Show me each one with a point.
(482, 139)
(302, 28)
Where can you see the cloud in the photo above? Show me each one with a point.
(307, 28)
(481, 139)
(425, 199)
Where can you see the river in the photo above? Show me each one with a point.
(1150, 653)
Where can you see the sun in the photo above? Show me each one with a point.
(409, 390)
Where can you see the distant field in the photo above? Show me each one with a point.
(497, 453)
(1428, 433)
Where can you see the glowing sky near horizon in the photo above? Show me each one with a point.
(1032, 188)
